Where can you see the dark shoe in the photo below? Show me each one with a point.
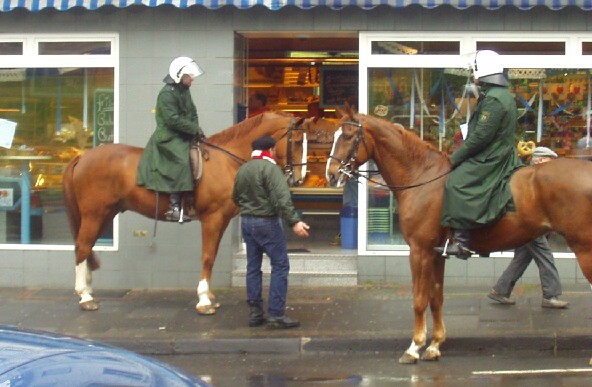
(499, 298)
(283, 322)
(554, 303)
(173, 215)
(256, 317)
(456, 249)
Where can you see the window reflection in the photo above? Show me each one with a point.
(434, 102)
(59, 112)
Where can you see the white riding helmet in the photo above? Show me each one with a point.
(487, 67)
(184, 65)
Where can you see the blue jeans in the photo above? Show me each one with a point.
(266, 235)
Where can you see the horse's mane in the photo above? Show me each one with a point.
(240, 130)
(415, 148)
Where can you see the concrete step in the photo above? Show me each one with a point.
(306, 269)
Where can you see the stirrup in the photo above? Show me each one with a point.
(444, 253)
(176, 215)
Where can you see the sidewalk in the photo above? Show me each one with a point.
(335, 319)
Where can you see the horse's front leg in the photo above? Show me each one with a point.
(420, 274)
(213, 227)
(436, 305)
(83, 288)
(411, 355)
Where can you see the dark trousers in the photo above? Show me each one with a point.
(540, 251)
(266, 235)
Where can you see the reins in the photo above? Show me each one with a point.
(241, 161)
(356, 175)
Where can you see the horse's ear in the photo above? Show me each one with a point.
(339, 112)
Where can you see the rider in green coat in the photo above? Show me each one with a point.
(165, 164)
(477, 191)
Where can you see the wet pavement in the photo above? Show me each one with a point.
(333, 319)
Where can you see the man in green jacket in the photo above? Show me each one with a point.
(264, 199)
(165, 165)
(477, 192)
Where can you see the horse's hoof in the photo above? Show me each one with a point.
(213, 301)
(407, 359)
(206, 310)
(89, 305)
(431, 354)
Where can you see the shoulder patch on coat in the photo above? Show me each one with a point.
(484, 117)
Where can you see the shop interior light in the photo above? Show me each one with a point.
(323, 54)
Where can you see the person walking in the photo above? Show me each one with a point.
(537, 250)
(476, 193)
(165, 163)
(264, 200)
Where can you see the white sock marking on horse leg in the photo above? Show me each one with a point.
(82, 282)
(413, 349)
(203, 290)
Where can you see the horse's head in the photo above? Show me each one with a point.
(290, 152)
(349, 151)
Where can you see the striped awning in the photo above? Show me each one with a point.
(63, 5)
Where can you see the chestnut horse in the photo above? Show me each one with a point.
(101, 183)
(551, 196)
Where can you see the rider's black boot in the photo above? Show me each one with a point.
(459, 246)
(174, 212)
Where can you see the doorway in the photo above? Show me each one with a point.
(288, 69)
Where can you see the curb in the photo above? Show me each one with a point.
(306, 345)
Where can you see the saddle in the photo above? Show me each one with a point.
(196, 153)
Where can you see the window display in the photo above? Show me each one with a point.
(56, 113)
(554, 106)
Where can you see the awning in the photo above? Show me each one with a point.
(64, 5)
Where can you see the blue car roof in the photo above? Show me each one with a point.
(30, 357)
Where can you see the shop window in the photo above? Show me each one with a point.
(587, 48)
(11, 48)
(434, 102)
(51, 114)
(415, 48)
(524, 48)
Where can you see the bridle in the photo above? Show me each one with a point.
(346, 165)
(288, 168)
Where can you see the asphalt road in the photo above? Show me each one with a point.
(518, 368)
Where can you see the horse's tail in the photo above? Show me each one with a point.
(73, 211)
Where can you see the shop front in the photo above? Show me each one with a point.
(86, 74)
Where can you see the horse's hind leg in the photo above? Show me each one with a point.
(213, 226)
(87, 236)
(82, 285)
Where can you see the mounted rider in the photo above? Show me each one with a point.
(165, 164)
(477, 191)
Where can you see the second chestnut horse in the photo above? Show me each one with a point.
(552, 196)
